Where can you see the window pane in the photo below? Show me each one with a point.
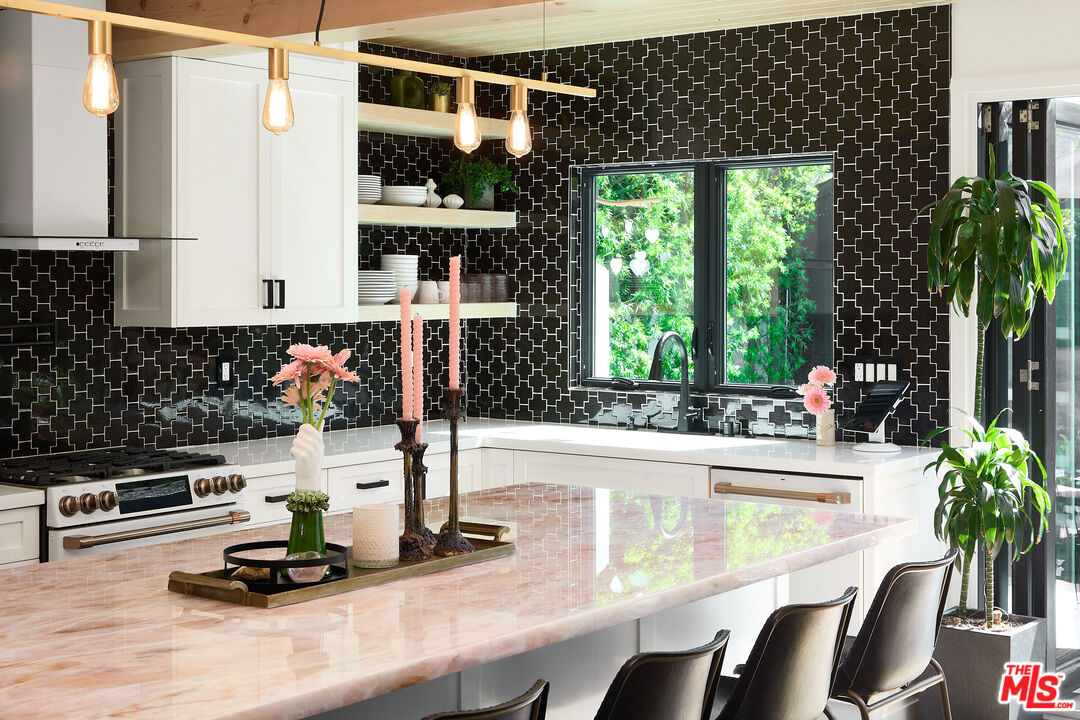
(644, 272)
(779, 273)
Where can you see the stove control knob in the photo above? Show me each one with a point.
(107, 500)
(68, 505)
(88, 503)
(221, 484)
(202, 487)
(237, 482)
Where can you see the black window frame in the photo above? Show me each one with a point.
(710, 254)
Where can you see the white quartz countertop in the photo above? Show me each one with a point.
(364, 445)
(15, 496)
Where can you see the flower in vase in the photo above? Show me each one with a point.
(822, 376)
(816, 400)
(336, 366)
(308, 354)
(291, 396)
(807, 387)
(291, 371)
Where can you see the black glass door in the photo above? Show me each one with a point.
(1038, 376)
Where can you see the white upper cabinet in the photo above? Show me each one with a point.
(274, 217)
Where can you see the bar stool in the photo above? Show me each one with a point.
(892, 656)
(530, 706)
(669, 685)
(791, 668)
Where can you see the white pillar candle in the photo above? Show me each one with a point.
(375, 535)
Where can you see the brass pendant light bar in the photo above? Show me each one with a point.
(226, 37)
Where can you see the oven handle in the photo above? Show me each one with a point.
(81, 542)
(829, 498)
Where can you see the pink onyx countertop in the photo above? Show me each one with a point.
(101, 637)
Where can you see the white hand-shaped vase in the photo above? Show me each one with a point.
(307, 450)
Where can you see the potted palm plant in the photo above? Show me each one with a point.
(991, 241)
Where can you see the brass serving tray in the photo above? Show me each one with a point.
(215, 585)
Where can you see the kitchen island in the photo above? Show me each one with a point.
(103, 638)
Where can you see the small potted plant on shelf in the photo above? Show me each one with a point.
(991, 239)
(477, 178)
(438, 97)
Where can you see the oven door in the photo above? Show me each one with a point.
(74, 542)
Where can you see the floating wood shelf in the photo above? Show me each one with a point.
(434, 217)
(377, 313)
(420, 123)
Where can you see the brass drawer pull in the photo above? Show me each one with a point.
(372, 485)
(828, 498)
(81, 542)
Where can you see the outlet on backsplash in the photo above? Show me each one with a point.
(868, 369)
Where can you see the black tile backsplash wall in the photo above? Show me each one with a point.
(871, 89)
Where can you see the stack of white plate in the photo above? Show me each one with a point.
(375, 287)
(368, 189)
(411, 195)
(404, 268)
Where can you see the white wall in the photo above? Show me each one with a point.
(1002, 50)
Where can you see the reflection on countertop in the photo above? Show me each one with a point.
(102, 637)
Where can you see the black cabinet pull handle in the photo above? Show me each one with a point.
(277, 498)
(281, 293)
(269, 304)
(372, 485)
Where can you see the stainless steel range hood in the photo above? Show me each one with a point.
(54, 184)
(72, 242)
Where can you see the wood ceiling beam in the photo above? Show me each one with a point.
(294, 19)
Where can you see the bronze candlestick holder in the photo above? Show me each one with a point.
(417, 542)
(451, 541)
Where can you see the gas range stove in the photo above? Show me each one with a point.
(118, 498)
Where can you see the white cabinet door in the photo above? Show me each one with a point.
(826, 580)
(312, 180)
(221, 195)
(470, 473)
(498, 468)
(654, 477)
(19, 536)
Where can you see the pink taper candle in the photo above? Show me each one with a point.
(455, 321)
(418, 374)
(406, 356)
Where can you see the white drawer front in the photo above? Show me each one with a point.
(365, 484)
(265, 498)
(19, 537)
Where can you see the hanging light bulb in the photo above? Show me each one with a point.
(278, 111)
(467, 130)
(519, 134)
(100, 95)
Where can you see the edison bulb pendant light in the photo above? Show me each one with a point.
(467, 130)
(519, 134)
(100, 95)
(278, 110)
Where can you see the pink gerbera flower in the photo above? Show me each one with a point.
(336, 366)
(293, 370)
(822, 375)
(309, 354)
(803, 389)
(816, 400)
(291, 396)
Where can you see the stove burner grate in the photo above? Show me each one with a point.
(104, 464)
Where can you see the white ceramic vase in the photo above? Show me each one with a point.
(826, 428)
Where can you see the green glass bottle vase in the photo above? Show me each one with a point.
(306, 533)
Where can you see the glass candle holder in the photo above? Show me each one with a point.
(375, 535)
